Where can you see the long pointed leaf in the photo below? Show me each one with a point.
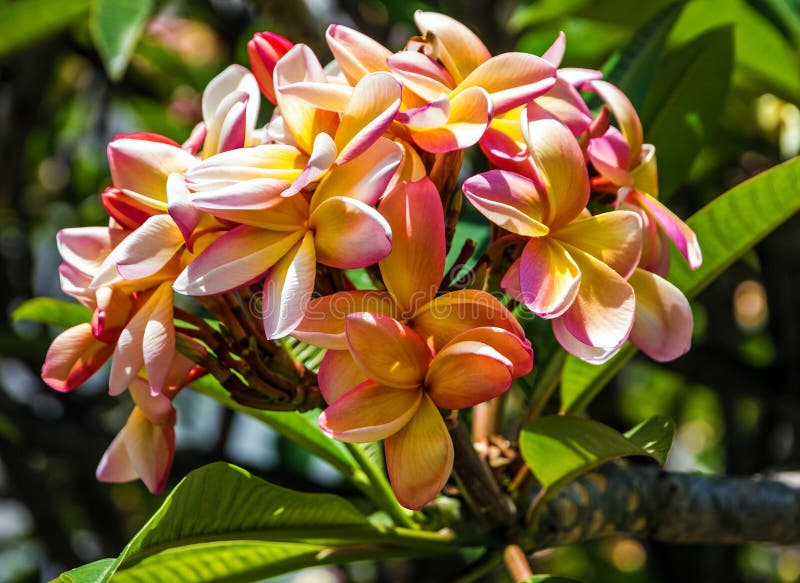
(727, 228)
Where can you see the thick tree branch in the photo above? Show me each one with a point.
(671, 508)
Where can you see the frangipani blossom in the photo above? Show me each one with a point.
(574, 266)
(402, 385)
(280, 240)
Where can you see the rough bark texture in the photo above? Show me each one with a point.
(671, 508)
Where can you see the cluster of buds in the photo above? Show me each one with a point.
(357, 168)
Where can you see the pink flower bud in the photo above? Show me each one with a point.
(266, 49)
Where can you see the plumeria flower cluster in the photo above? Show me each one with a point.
(357, 168)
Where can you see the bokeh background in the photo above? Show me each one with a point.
(735, 396)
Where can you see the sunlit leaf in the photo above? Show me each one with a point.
(116, 26)
(685, 103)
(726, 228)
(558, 448)
(97, 572)
(53, 312)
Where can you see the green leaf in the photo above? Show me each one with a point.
(549, 579)
(632, 68)
(727, 228)
(685, 103)
(53, 312)
(116, 26)
(558, 448)
(23, 23)
(222, 523)
(97, 572)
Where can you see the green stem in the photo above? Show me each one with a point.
(381, 491)
(545, 384)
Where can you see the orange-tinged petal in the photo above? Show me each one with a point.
(238, 257)
(365, 178)
(323, 155)
(338, 374)
(466, 373)
(287, 289)
(412, 168)
(645, 175)
(615, 238)
(413, 270)
(509, 200)
(349, 234)
(453, 313)
(515, 348)
(389, 352)
(680, 233)
(662, 328)
(453, 44)
(158, 342)
(356, 54)
(324, 321)
(142, 166)
(369, 412)
(73, 357)
(115, 465)
(375, 102)
(602, 313)
(328, 96)
(559, 164)
(624, 113)
(470, 114)
(548, 277)
(511, 80)
(157, 408)
(419, 457)
(112, 313)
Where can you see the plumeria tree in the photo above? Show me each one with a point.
(308, 273)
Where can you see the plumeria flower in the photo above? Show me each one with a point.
(264, 50)
(574, 266)
(404, 384)
(145, 447)
(279, 240)
(629, 166)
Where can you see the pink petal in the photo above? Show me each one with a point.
(386, 350)
(590, 354)
(73, 357)
(602, 313)
(157, 408)
(509, 200)
(459, 49)
(143, 253)
(338, 374)
(356, 54)
(680, 233)
(510, 282)
(555, 54)
(431, 115)
(615, 238)
(558, 159)
(454, 313)
(624, 113)
(662, 328)
(465, 373)
(158, 341)
(610, 155)
(111, 314)
(421, 74)
(238, 257)
(565, 103)
(265, 50)
(231, 168)
(511, 79)
(250, 202)
(348, 234)
(85, 248)
(375, 102)
(413, 270)
(370, 412)
(419, 457)
(287, 289)
(549, 278)
(324, 320)
(230, 110)
(180, 207)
